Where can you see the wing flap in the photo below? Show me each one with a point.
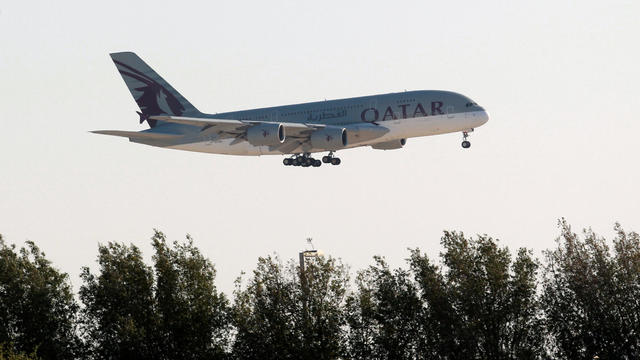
(297, 133)
(137, 134)
(205, 123)
(199, 121)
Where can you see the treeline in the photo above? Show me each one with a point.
(476, 300)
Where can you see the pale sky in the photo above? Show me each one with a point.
(558, 78)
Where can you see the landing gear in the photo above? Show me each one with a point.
(305, 160)
(329, 159)
(293, 161)
(465, 143)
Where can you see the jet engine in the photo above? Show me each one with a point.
(329, 138)
(266, 134)
(390, 145)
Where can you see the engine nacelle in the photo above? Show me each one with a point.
(329, 138)
(266, 134)
(390, 145)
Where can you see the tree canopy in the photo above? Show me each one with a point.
(591, 295)
(37, 308)
(475, 300)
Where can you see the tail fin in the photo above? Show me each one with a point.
(152, 93)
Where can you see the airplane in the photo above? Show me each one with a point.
(383, 122)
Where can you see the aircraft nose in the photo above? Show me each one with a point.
(484, 116)
(478, 117)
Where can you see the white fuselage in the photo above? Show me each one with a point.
(381, 121)
(398, 129)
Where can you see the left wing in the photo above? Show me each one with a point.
(205, 123)
(298, 135)
(138, 135)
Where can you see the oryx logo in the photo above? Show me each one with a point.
(153, 98)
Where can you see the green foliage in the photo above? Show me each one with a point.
(476, 301)
(7, 353)
(479, 305)
(37, 309)
(278, 318)
(118, 315)
(323, 293)
(384, 315)
(591, 295)
(174, 312)
(267, 313)
(193, 319)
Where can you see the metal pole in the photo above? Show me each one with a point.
(305, 307)
(303, 283)
(301, 267)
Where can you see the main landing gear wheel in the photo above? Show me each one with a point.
(466, 144)
(329, 159)
(302, 160)
(305, 160)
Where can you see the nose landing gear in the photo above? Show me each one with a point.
(465, 143)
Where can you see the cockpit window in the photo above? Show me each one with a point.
(470, 104)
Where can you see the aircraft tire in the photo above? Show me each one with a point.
(326, 159)
(317, 163)
(466, 144)
(335, 161)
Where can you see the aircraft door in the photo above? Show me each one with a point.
(451, 111)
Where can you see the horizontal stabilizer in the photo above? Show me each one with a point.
(137, 134)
